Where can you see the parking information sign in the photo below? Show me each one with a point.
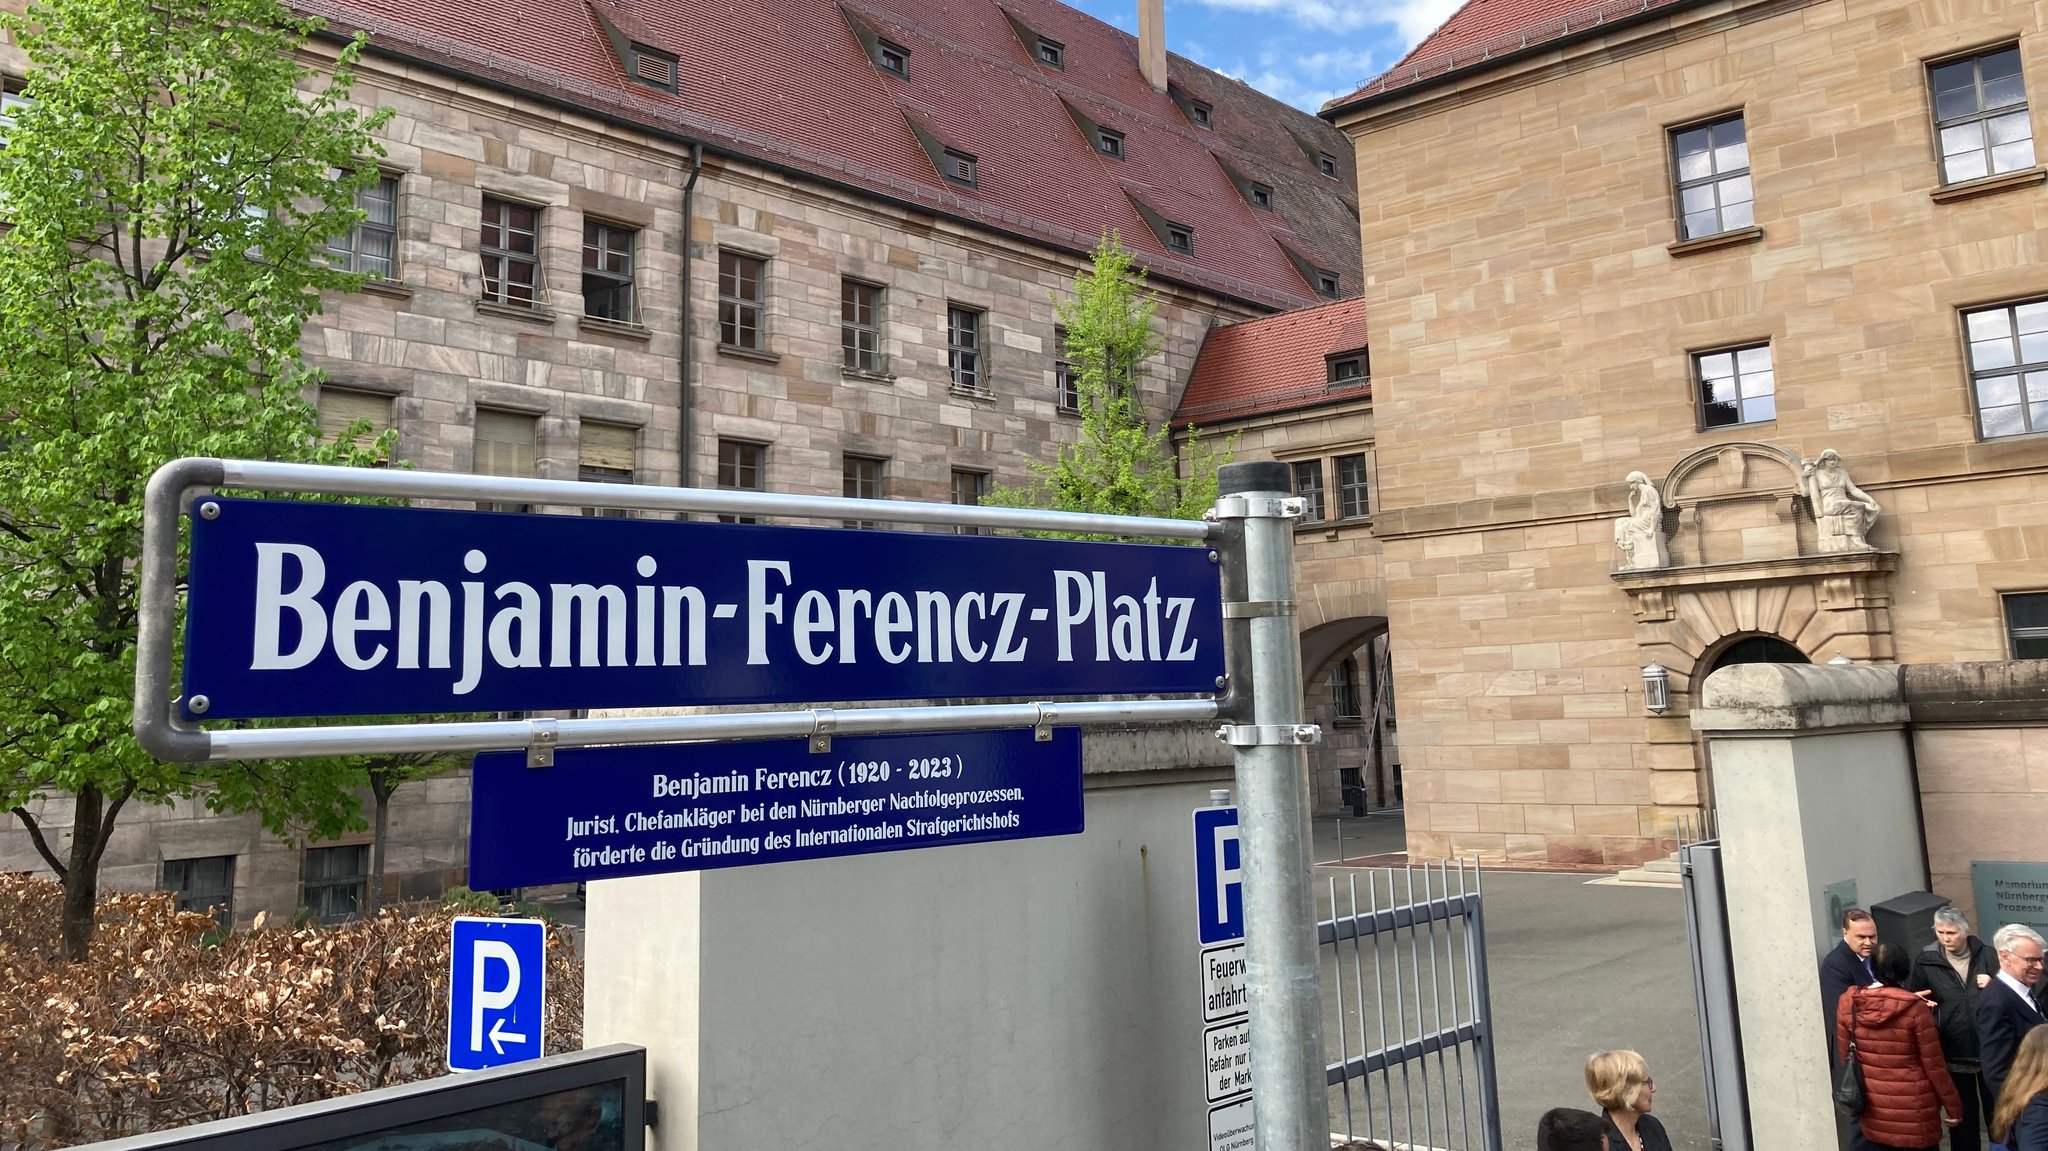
(1226, 1019)
(605, 812)
(496, 990)
(293, 610)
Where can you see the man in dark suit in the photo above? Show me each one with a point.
(2006, 1009)
(1846, 965)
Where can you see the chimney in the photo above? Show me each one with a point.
(1152, 42)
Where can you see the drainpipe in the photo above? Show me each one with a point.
(687, 357)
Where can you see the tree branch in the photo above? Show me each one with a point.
(35, 835)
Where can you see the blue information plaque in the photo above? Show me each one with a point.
(299, 608)
(600, 813)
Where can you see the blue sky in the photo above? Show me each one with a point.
(1301, 51)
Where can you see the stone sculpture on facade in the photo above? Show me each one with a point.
(1842, 512)
(1639, 535)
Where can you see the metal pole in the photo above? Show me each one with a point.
(1289, 1073)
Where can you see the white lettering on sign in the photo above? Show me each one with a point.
(513, 624)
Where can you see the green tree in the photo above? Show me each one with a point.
(171, 181)
(1121, 465)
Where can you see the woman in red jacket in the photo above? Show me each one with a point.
(1906, 1085)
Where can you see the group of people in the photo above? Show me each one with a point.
(1620, 1083)
(1950, 1037)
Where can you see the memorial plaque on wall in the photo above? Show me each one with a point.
(2009, 892)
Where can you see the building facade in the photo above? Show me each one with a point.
(635, 244)
(1633, 277)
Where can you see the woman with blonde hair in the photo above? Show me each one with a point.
(1621, 1084)
(2020, 1120)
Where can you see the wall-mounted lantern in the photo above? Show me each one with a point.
(1656, 689)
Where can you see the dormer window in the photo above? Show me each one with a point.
(1327, 164)
(959, 167)
(1349, 369)
(1109, 143)
(1052, 53)
(1180, 238)
(1327, 282)
(1262, 197)
(1202, 114)
(893, 58)
(654, 68)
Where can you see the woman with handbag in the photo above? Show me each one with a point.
(1888, 1034)
(2019, 1120)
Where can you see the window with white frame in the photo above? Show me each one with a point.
(963, 350)
(1308, 484)
(511, 253)
(372, 245)
(1352, 501)
(860, 478)
(608, 272)
(742, 467)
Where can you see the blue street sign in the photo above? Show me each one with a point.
(299, 608)
(647, 809)
(497, 974)
(1219, 877)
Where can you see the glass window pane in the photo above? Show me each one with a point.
(2039, 413)
(1754, 360)
(2002, 422)
(1998, 391)
(1759, 384)
(2026, 611)
(2010, 127)
(1992, 323)
(2004, 91)
(1702, 224)
(1985, 354)
(2032, 317)
(1699, 199)
(1738, 215)
(1720, 414)
(1736, 190)
(1962, 138)
(2034, 348)
(1760, 409)
(1950, 104)
(1694, 154)
(1731, 157)
(1717, 365)
(1955, 75)
(2037, 386)
(1968, 166)
(2012, 157)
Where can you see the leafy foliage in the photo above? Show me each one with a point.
(160, 1028)
(1121, 465)
(171, 182)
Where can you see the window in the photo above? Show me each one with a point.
(2009, 368)
(1066, 375)
(653, 67)
(963, 350)
(608, 272)
(892, 57)
(860, 478)
(740, 469)
(504, 447)
(511, 253)
(960, 167)
(1052, 52)
(1202, 114)
(860, 327)
(1328, 283)
(604, 455)
(1109, 143)
(10, 103)
(371, 246)
(1308, 484)
(1344, 689)
(1351, 494)
(335, 880)
(341, 410)
(1980, 113)
(1710, 170)
(1262, 197)
(204, 884)
(2026, 623)
(1736, 386)
(739, 300)
(1180, 238)
(1327, 165)
(968, 488)
(1350, 369)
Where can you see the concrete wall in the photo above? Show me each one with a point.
(1040, 993)
(1813, 787)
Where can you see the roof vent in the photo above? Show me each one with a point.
(654, 67)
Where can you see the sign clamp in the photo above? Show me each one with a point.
(546, 733)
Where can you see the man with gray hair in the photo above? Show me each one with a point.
(2006, 1010)
(1951, 973)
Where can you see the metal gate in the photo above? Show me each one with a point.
(1410, 1021)
(1713, 983)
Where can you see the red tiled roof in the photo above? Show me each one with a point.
(789, 82)
(1273, 364)
(1486, 30)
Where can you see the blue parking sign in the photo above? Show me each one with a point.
(1219, 875)
(496, 989)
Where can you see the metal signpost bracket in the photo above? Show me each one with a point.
(541, 752)
(1269, 734)
(1042, 730)
(822, 729)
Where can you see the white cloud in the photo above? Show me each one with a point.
(1412, 19)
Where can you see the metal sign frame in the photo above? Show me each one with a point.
(177, 484)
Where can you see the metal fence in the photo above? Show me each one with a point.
(1409, 1021)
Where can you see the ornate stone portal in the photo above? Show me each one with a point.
(1763, 542)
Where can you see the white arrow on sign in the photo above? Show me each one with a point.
(481, 1000)
(500, 1036)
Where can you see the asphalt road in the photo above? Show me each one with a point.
(1573, 969)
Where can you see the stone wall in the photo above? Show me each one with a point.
(1980, 742)
(1534, 323)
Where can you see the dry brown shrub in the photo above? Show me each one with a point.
(161, 1027)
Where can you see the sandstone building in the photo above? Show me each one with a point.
(800, 246)
(1706, 241)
